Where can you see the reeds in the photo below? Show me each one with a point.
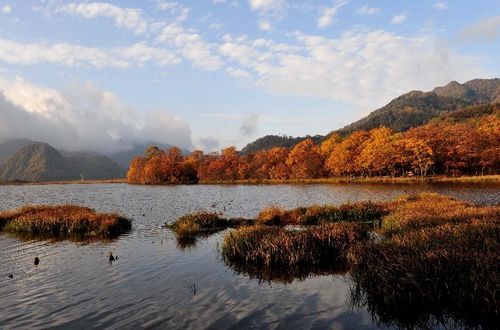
(363, 212)
(427, 210)
(200, 224)
(438, 262)
(60, 220)
(270, 246)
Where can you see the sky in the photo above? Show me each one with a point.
(103, 76)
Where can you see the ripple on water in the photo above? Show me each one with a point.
(156, 284)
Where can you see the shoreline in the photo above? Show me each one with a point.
(372, 180)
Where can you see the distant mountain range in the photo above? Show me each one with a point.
(404, 112)
(38, 161)
(416, 108)
(26, 160)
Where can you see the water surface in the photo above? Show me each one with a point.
(157, 284)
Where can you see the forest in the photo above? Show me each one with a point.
(459, 143)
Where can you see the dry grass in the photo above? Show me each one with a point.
(201, 224)
(270, 246)
(439, 259)
(427, 210)
(60, 220)
(363, 180)
(364, 212)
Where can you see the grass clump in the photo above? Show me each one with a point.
(438, 262)
(61, 220)
(271, 246)
(316, 214)
(203, 223)
(427, 210)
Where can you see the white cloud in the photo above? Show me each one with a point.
(6, 9)
(367, 10)
(191, 45)
(238, 73)
(265, 26)
(365, 68)
(174, 8)
(82, 118)
(487, 29)
(75, 55)
(129, 18)
(440, 5)
(165, 5)
(265, 5)
(327, 14)
(398, 19)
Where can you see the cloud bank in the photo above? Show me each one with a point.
(82, 118)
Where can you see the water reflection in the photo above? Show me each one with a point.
(283, 275)
(152, 284)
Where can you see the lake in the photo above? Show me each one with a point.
(155, 283)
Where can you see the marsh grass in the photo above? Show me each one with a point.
(62, 220)
(427, 210)
(438, 262)
(203, 224)
(363, 212)
(270, 247)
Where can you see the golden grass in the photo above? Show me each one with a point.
(364, 212)
(363, 180)
(60, 220)
(270, 246)
(202, 224)
(438, 261)
(426, 210)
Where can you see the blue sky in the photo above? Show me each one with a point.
(211, 73)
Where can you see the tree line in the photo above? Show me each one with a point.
(442, 147)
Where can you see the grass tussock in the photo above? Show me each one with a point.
(201, 224)
(427, 210)
(316, 214)
(61, 220)
(270, 246)
(439, 259)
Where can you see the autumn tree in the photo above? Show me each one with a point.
(135, 172)
(377, 153)
(342, 159)
(305, 160)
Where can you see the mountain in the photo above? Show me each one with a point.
(416, 107)
(10, 147)
(408, 110)
(39, 162)
(269, 141)
(93, 167)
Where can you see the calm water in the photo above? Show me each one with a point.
(155, 283)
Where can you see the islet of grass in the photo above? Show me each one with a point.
(61, 220)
